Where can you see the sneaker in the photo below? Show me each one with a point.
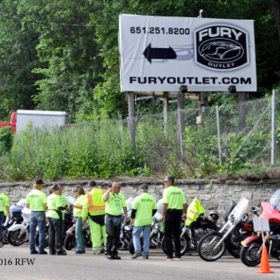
(98, 252)
(110, 257)
(169, 258)
(136, 255)
(145, 257)
(34, 252)
(80, 252)
(43, 253)
(116, 257)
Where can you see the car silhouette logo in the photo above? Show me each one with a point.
(221, 47)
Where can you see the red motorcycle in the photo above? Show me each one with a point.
(250, 253)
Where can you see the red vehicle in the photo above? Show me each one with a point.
(11, 123)
(252, 246)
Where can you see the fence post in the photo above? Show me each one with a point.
(218, 134)
(181, 119)
(165, 113)
(273, 140)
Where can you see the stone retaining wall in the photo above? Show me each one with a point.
(214, 194)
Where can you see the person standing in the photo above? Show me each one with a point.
(115, 207)
(36, 201)
(78, 206)
(4, 212)
(56, 202)
(174, 207)
(94, 209)
(143, 210)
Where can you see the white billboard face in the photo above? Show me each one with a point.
(163, 53)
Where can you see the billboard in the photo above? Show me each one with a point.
(205, 54)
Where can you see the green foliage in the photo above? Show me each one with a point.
(63, 55)
(239, 153)
(83, 151)
(6, 140)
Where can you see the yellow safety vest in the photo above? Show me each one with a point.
(195, 209)
(96, 204)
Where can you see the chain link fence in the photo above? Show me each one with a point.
(229, 138)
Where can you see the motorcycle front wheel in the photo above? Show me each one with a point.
(5, 239)
(251, 255)
(185, 245)
(69, 242)
(207, 247)
(16, 238)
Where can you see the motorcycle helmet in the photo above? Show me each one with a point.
(213, 216)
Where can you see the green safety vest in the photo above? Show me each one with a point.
(174, 197)
(144, 205)
(115, 204)
(36, 200)
(4, 203)
(54, 203)
(77, 212)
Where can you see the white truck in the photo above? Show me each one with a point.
(21, 119)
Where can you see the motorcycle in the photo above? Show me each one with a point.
(126, 236)
(15, 218)
(252, 246)
(196, 225)
(212, 246)
(18, 233)
(70, 238)
(156, 237)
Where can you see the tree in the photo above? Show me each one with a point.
(17, 59)
(275, 6)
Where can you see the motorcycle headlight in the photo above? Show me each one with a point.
(127, 227)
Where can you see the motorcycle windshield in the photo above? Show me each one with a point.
(239, 210)
(275, 200)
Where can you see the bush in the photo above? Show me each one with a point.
(6, 140)
(83, 151)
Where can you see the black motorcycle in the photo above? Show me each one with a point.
(70, 238)
(191, 234)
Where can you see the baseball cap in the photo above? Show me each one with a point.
(92, 183)
(39, 181)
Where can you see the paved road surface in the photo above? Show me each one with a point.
(17, 264)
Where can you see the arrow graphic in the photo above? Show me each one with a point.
(159, 53)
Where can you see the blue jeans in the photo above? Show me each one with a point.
(37, 219)
(79, 234)
(2, 217)
(146, 238)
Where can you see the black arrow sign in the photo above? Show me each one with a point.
(159, 53)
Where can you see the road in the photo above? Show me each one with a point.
(17, 264)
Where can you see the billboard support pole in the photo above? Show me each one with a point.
(131, 117)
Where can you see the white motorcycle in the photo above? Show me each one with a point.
(18, 233)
